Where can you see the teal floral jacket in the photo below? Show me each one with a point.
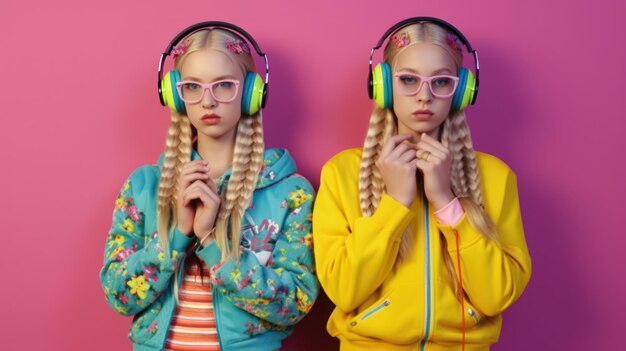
(257, 300)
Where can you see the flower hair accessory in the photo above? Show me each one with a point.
(237, 46)
(180, 49)
(401, 40)
(454, 42)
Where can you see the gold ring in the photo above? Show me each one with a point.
(425, 155)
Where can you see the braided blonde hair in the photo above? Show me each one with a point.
(247, 158)
(455, 135)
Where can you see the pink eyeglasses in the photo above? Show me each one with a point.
(192, 92)
(441, 86)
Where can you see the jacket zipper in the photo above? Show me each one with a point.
(427, 277)
(376, 309)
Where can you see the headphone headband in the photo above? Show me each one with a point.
(212, 24)
(447, 26)
(413, 20)
(206, 25)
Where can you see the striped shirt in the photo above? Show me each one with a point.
(193, 324)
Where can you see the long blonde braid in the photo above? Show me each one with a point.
(464, 176)
(247, 161)
(371, 185)
(465, 181)
(177, 153)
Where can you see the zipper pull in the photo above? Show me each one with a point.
(474, 315)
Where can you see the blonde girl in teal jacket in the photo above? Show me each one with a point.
(216, 197)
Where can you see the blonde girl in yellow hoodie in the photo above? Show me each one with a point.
(418, 238)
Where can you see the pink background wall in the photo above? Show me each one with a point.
(80, 112)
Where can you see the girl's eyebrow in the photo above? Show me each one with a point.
(443, 70)
(229, 76)
(439, 71)
(226, 76)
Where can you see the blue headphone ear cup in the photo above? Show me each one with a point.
(387, 85)
(457, 99)
(246, 96)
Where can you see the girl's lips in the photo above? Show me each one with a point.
(422, 115)
(211, 119)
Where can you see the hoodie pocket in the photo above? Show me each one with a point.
(397, 317)
(377, 308)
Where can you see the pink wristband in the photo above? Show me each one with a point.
(451, 213)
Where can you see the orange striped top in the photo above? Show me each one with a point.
(193, 324)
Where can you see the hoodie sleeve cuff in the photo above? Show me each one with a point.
(180, 241)
(211, 254)
(392, 213)
(451, 213)
(468, 235)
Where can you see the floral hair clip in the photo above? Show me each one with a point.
(401, 40)
(180, 49)
(454, 42)
(237, 46)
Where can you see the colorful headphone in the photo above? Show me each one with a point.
(254, 89)
(379, 84)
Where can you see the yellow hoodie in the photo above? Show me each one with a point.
(412, 306)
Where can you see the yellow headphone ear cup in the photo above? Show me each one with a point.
(166, 90)
(378, 87)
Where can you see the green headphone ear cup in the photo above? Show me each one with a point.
(470, 89)
(381, 86)
(166, 91)
(253, 94)
(170, 94)
(378, 93)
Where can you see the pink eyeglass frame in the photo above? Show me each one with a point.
(424, 79)
(206, 87)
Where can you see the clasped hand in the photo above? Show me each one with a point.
(198, 200)
(401, 158)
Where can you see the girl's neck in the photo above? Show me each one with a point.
(218, 152)
(417, 135)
